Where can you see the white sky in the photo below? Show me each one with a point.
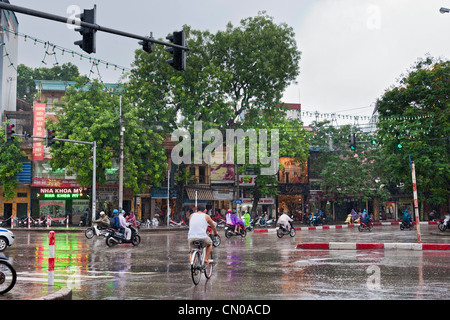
(352, 50)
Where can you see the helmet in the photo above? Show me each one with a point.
(115, 211)
(229, 210)
(102, 213)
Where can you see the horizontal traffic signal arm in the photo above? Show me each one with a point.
(49, 16)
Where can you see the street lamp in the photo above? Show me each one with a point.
(444, 10)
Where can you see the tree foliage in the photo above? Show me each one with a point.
(416, 113)
(26, 88)
(89, 113)
(11, 163)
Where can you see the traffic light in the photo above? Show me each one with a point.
(9, 130)
(352, 141)
(399, 144)
(50, 137)
(374, 142)
(88, 41)
(179, 55)
(147, 46)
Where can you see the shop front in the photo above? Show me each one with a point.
(58, 203)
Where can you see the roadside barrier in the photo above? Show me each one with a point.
(51, 257)
(365, 246)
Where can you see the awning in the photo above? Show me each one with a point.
(203, 194)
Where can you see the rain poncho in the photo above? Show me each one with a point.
(364, 216)
(406, 216)
(354, 214)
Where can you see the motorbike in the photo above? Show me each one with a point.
(365, 226)
(177, 224)
(281, 230)
(250, 226)
(229, 231)
(315, 221)
(116, 237)
(444, 224)
(305, 219)
(405, 225)
(97, 231)
(215, 239)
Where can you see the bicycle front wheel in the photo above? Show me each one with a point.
(8, 277)
(209, 268)
(196, 267)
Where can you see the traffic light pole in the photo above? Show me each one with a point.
(94, 167)
(49, 16)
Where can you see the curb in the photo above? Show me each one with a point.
(364, 246)
(343, 226)
(63, 294)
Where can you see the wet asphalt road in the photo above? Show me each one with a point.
(259, 267)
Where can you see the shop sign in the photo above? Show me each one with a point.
(61, 183)
(261, 201)
(60, 193)
(247, 180)
(161, 193)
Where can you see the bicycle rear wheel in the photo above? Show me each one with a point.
(196, 267)
(209, 268)
(8, 277)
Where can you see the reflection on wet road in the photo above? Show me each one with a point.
(261, 266)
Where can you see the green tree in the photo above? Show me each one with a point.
(416, 113)
(344, 172)
(11, 158)
(90, 113)
(26, 88)
(234, 78)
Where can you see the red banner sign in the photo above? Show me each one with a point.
(38, 130)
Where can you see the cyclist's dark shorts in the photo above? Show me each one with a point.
(206, 242)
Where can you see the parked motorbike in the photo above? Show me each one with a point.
(97, 231)
(229, 231)
(116, 237)
(404, 225)
(444, 224)
(365, 226)
(173, 223)
(315, 221)
(281, 230)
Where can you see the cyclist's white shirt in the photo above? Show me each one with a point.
(197, 226)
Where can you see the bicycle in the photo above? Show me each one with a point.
(198, 263)
(8, 275)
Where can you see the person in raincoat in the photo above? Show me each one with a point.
(406, 217)
(365, 217)
(246, 218)
(355, 215)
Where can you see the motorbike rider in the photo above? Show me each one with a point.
(114, 220)
(103, 221)
(228, 219)
(406, 217)
(123, 224)
(198, 224)
(285, 220)
(246, 218)
(238, 223)
(365, 217)
(131, 218)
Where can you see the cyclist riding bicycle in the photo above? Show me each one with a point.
(198, 223)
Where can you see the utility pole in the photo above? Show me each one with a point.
(416, 204)
(121, 157)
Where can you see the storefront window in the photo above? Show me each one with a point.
(52, 208)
